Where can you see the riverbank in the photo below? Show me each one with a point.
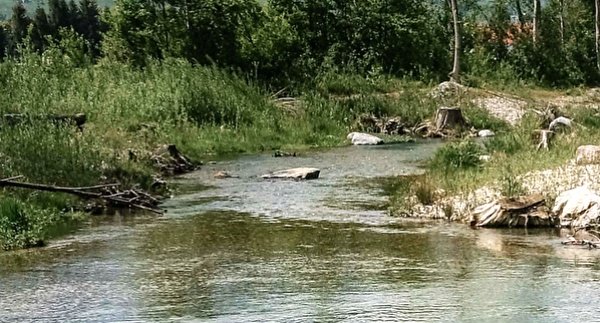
(465, 174)
(204, 111)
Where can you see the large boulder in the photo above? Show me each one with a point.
(448, 90)
(577, 208)
(588, 155)
(528, 211)
(295, 173)
(364, 139)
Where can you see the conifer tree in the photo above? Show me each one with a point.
(19, 23)
(41, 28)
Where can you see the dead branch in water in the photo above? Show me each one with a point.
(130, 198)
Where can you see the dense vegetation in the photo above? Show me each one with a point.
(204, 75)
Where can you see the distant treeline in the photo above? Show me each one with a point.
(294, 40)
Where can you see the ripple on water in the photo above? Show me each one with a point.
(299, 252)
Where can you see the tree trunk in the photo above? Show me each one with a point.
(536, 20)
(455, 74)
(165, 28)
(520, 13)
(562, 22)
(597, 35)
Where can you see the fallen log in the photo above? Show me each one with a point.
(78, 119)
(513, 212)
(148, 203)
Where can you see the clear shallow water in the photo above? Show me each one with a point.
(304, 260)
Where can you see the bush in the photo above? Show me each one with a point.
(482, 119)
(462, 155)
(23, 225)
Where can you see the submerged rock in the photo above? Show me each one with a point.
(528, 211)
(577, 208)
(486, 133)
(588, 155)
(364, 139)
(224, 174)
(295, 173)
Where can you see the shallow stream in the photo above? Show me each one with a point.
(249, 250)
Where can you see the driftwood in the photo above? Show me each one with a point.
(543, 137)
(513, 212)
(170, 160)
(78, 119)
(130, 198)
(585, 238)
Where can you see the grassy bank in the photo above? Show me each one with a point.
(458, 179)
(202, 110)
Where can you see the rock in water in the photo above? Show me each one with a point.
(364, 139)
(577, 208)
(528, 211)
(560, 123)
(486, 133)
(588, 155)
(223, 174)
(295, 173)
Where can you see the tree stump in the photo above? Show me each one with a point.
(449, 119)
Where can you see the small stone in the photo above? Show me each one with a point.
(486, 133)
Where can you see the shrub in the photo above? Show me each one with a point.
(23, 225)
(462, 155)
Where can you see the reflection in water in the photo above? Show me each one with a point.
(227, 266)
(231, 267)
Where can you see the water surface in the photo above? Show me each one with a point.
(247, 250)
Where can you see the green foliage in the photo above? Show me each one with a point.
(460, 155)
(482, 119)
(23, 225)
(511, 185)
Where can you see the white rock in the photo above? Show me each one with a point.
(588, 155)
(577, 208)
(364, 139)
(295, 173)
(486, 133)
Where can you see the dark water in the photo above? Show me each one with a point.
(304, 260)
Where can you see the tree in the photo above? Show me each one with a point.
(74, 14)
(90, 26)
(518, 8)
(3, 41)
(597, 25)
(58, 15)
(455, 74)
(537, 9)
(41, 28)
(19, 23)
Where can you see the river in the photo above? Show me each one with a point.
(248, 250)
